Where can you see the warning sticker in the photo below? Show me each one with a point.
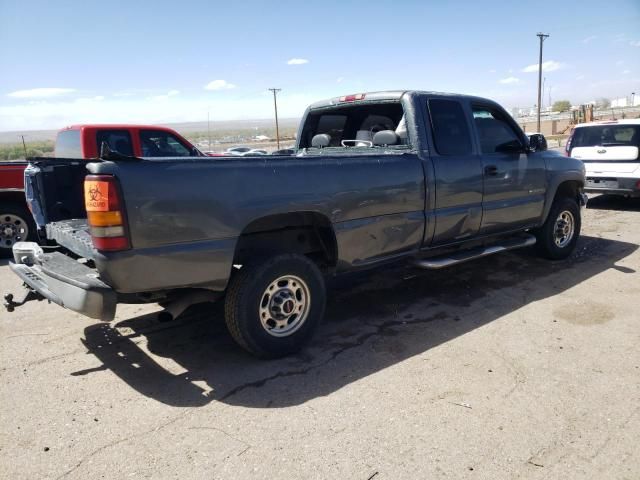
(96, 196)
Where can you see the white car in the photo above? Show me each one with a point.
(610, 152)
(236, 151)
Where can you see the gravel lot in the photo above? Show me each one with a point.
(508, 367)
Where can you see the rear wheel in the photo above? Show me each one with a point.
(557, 238)
(273, 306)
(16, 225)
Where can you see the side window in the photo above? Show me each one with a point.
(156, 143)
(494, 132)
(68, 144)
(449, 126)
(118, 140)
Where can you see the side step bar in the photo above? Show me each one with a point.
(434, 263)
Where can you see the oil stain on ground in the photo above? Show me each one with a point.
(586, 313)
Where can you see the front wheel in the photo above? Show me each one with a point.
(16, 225)
(557, 238)
(273, 306)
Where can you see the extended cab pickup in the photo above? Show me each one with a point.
(433, 179)
(80, 141)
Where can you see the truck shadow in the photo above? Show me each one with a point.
(373, 321)
(614, 202)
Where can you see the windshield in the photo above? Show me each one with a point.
(355, 125)
(607, 135)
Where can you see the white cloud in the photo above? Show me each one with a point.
(548, 66)
(580, 77)
(509, 80)
(219, 85)
(589, 38)
(297, 61)
(339, 79)
(99, 98)
(40, 92)
(172, 93)
(493, 70)
(626, 72)
(635, 44)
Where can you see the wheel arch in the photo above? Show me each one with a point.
(304, 232)
(562, 186)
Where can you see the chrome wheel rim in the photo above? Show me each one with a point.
(12, 229)
(564, 229)
(284, 306)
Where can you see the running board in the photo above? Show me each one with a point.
(464, 256)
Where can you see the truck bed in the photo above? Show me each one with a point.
(74, 235)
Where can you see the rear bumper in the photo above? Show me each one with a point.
(64, 281)
(613, 185)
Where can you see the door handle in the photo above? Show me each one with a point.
(491, 170)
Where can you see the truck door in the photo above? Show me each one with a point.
(458, 173)
(514, 179)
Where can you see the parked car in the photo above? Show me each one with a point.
(254, 152)
(448, 178)
(236, 151)
(81, 141)
(284, 151)
(610, 152)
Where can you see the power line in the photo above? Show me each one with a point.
(542, 37)
(275, 107)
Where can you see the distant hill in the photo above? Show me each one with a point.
(240, 128)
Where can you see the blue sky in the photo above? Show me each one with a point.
(159, 61)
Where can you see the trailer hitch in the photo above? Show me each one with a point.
(10, 304)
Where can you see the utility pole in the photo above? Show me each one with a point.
(275, 107)
(542, 37)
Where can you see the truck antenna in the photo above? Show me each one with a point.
(24, 146)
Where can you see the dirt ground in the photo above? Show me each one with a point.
(508, 367)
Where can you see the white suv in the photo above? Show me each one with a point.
(609, 151)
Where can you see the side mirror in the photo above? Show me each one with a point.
(537, 142)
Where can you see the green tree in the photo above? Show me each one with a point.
(561, 106)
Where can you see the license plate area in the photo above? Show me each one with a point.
(602, 182)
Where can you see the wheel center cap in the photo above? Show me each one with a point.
(287, 307)
(8, 232)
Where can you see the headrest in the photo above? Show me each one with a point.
(385, 137)
(321, 140)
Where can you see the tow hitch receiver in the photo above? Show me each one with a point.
(10, 304)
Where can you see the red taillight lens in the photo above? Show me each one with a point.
(104, 213)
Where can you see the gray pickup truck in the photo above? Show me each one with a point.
(433, 179)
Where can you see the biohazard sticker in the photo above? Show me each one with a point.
(96, 196)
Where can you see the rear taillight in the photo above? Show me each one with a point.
(105, 213)
(567, 147)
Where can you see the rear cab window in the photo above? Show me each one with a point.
(354, 125)
(157, 143)
(68, 144)
(449, 126)
(117, 141)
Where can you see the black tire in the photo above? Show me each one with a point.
(16, 225)
(551, 242)
(249, 305)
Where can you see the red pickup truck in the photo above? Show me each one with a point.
(81, 141)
